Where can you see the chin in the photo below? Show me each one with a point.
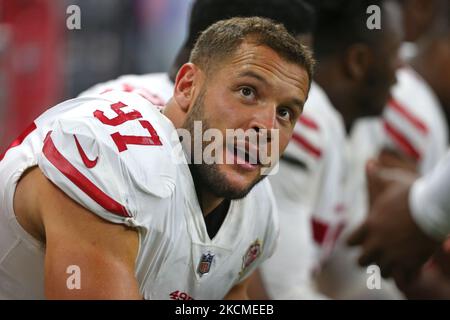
(240, 181)
(226, 181)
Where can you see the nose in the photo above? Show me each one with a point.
(265, 119)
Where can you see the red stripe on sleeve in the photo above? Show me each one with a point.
(320, 230)
(316, 152)
(416, 122)
(68, 170)
(308, 122)
(20, 139)
(401, 141)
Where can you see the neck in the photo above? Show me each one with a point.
(207, 200)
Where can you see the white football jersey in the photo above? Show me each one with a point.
(155, 87)
(119, 156)
(414, 122)
(308, 189)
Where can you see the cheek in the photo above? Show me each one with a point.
(284, 138)
(222, 109)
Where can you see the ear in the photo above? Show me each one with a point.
(185, 85)
(357, 59)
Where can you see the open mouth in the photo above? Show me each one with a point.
(244, 156)
(249, 157)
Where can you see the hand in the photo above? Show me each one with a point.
(389, 237)
(389, 158)
(433, 281)
(387, 170)
(430, 283)
(441, 259)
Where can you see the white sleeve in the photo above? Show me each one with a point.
(414, 123)
(429, 201)
(152, 87)
(82, 157)
(288, 273)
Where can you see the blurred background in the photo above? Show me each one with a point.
(42, 62)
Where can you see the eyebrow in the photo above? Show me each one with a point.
(254, 75)
(298, 103)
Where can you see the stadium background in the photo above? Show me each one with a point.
(42, 62)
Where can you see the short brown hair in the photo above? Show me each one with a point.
(223, 38)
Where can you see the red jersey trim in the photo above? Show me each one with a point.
(416, 122)
(401, 141)
(82, 182)
(316, 152)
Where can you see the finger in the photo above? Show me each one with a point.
(357, 237)
(375, 184)
(392, 159)
(399, 277)
(368, 256)
(446, 246)
(386, 268)
(410, 274)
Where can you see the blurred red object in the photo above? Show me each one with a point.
(31, 64)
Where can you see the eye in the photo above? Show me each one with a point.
(285, 113)
(248, 93)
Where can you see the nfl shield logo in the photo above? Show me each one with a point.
(205, 263)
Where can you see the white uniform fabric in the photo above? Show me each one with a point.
(115, 155)
(155, 87)
(430, 202)
(308, 189)
(414, 121)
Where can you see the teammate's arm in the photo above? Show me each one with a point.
(240, 290)
(256, 289)
(99, 256)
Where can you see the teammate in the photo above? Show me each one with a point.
(413, 131)
(96, 184)
(413, 124)
(426, 22)
(355, 71)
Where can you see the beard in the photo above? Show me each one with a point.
(208, 176)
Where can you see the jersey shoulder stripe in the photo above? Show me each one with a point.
(305, 144)
(114, 155)
(81, 181)
(401, 141)
(308, 122)
(19, 139)
(406, 114)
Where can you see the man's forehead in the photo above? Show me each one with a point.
(264, 64)
(249, 50)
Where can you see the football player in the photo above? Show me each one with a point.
(298, 18)
(100, 185)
